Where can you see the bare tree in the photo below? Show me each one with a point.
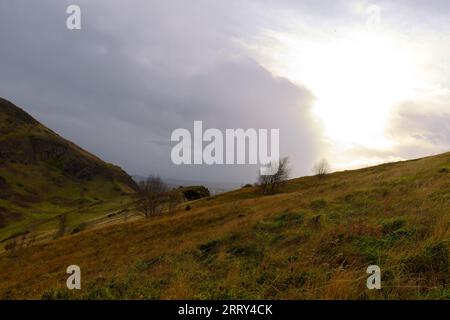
(270, 184)
(321, 168)
(151, 194)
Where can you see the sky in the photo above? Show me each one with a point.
(355, 82)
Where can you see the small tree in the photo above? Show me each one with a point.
(151, 194)
(321, 168)
(270, 184)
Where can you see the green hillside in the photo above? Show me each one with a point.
(43, 177)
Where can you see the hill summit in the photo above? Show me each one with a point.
(43, 174)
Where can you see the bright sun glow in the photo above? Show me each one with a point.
(356, 79)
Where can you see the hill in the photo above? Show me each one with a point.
(44, 177)
(314, 239)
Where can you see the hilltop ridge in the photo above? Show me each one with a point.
(43, 175)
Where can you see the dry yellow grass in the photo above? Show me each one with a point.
(312, 241)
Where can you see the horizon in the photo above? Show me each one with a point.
(228, 185)
(358, 83)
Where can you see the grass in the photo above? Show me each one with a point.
(313, 240)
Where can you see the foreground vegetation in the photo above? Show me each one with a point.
(312, 239)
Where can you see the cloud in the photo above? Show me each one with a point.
(420, 128)
(415, 129)
(138, 70)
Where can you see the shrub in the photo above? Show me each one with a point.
(195, 192)
(321, 168)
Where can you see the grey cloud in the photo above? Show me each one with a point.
(137, 70)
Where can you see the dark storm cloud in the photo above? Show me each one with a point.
(138, 70)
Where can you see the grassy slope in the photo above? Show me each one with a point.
(41, 178)
(314, 240)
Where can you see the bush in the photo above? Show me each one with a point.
(321, 168)
(195, 192)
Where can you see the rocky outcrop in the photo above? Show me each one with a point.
(15, 115)
(26, 141)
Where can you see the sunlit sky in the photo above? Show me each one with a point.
(359, 74)
(358, 82)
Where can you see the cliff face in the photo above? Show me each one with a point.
(24, 140)
(37, 165)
